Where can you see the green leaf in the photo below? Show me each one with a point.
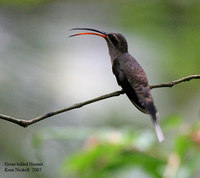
(106, 159)
(182, 145)
(172, 122)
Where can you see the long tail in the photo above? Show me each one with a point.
(154, 115)
(158, 130)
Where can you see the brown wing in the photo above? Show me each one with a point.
(137, 79)
(128, 89)
(132, 78)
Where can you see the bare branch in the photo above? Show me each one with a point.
(26, 123)
(175, 82)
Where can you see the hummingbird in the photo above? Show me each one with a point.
(129, 74)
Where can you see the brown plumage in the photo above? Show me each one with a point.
(129, 74)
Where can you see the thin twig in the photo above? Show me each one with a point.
(26, 123)
(175, 82)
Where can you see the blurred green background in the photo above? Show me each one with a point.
(42, 70)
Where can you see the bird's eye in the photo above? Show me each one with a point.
(112, 38)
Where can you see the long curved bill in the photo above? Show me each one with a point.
(100, 33)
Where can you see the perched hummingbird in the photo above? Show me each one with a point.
(129, 74)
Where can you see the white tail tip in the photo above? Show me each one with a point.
(159, 132)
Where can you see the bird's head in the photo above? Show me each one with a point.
(117, 44)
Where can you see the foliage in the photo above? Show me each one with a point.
(22, 3)
(39, 72)
(108, 160)
(108, 153)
